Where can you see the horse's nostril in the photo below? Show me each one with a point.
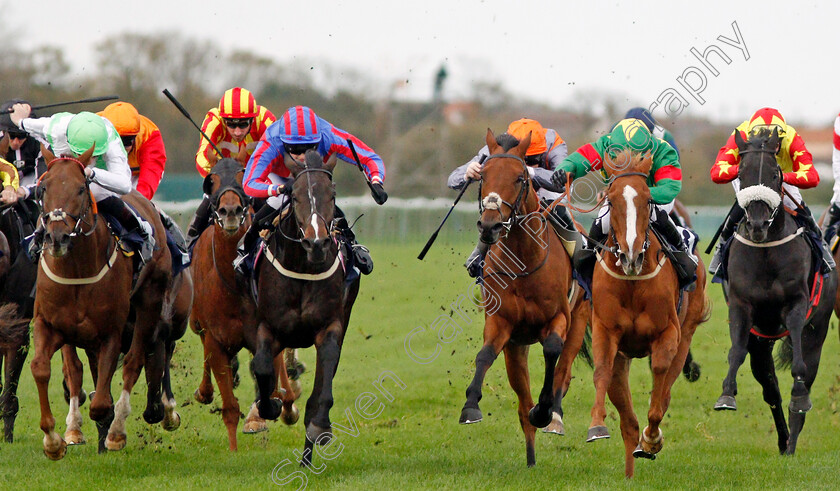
(238, 210)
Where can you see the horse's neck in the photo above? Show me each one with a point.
(529, 245)
(224, 245)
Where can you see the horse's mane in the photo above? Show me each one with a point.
(507, 141)
(628, 161)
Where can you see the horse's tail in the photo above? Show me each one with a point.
(784, 354)
(585, 352)
(14, 329)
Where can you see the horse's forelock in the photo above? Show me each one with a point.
(507, 141)
(627, 160)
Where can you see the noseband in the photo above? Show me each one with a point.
(493, 202)
(59, 215)
(329, 226)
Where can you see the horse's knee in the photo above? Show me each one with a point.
(553, 345)
(485, 356)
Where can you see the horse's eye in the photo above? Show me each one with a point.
(82, 190)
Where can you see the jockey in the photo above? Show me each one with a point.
(25, 154)
(798, 172)
(146, 157)
(72, 135)
(143, 143)
(656, 130)
(10, 181)
(266, 176)
(665, 181)
(834, 210)
(544, 154)
(237, 123)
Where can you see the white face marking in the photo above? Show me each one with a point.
(314, 223)
(630, 193)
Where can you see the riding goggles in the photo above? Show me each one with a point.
(238, 123)
(298, 148)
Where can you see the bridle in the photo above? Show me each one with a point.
(492, 202)
(616, 249)
(762, 151)
(329, 226)
(58, 214)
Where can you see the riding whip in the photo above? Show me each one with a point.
(80, 101)
(187, 115)
(434, 235)
(720, 229)
(359, 163)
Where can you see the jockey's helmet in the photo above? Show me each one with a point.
(123, 116)
(520, 129)
(630, 133)
(767, 118)
(299, 124)
(86, 130)
(237, 103)
(642, 114)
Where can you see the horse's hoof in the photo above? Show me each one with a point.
(154, 414)
(800, 404)
(556, 426)
(201, 398)
(58, 453)
(651, 445)
(74, 437)
(539, 416)
(692, 373)
(597, 433)
(639, 453)
(470, 415)
(271, 410)
(291, 416)
(254, 426)
(114, 442)
(172, 423)
(725, 403)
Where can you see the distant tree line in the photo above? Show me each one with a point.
(420, 142)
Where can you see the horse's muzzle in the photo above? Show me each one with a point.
(57, 243)
(631, 266)
(230, 217)
(489, 230)
(316, 249)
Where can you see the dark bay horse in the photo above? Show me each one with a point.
(638, 311)
(771, 275)
(224, 315)
(302, 296)
(527, 276)
(83, 298)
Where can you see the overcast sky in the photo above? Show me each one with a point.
(556, 51)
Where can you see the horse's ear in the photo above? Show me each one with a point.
(739, 140)
(522, 148)
(331, 161)
(242, 156)
(4, 144)
(85, 157)
(490, 139)
(776, 139)
(212, 156)
(645, 162)
(291, 164)
(207, 185)
(48, 156)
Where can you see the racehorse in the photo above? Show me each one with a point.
(527, 277)
(83, 297)
(303, 298)
(770, 270)
(638, 311)
(18, 285)
(224, 315)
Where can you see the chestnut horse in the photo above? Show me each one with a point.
(638, 311)
(224, 315)
(771, 274)
(83, 298)
(302, 296)
(527, 275)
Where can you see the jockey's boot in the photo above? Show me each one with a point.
(726, 233)
(361, 254)
(687, 262)
(808, 219)
(833, 218)
(262, 220)
(584, 259)
(131, 222)
(36, 243)
(560, 214)
(176, 234)
(199, 222)
(475, 261)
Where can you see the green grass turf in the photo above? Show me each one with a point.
(415, 442)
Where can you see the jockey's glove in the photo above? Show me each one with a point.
(378, 193)
(558, 181)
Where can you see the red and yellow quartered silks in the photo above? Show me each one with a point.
(794, 159)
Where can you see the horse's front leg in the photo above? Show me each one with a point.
(812, 343)
(580, 316)
(604, 349)
(73, 370)
(540, 415)
(663, 353)
(740, 323)
(800, 400)
(263, 368)
(764, 371)
(47, 342)
(497, 331)
(9, 405)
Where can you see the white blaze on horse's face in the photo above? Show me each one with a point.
(314, 220)
(629, 195)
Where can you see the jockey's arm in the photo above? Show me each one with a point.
(803, 174)
(458, 177)
(666, 173)
(212, 127)
(265, 158)
(152, 159)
